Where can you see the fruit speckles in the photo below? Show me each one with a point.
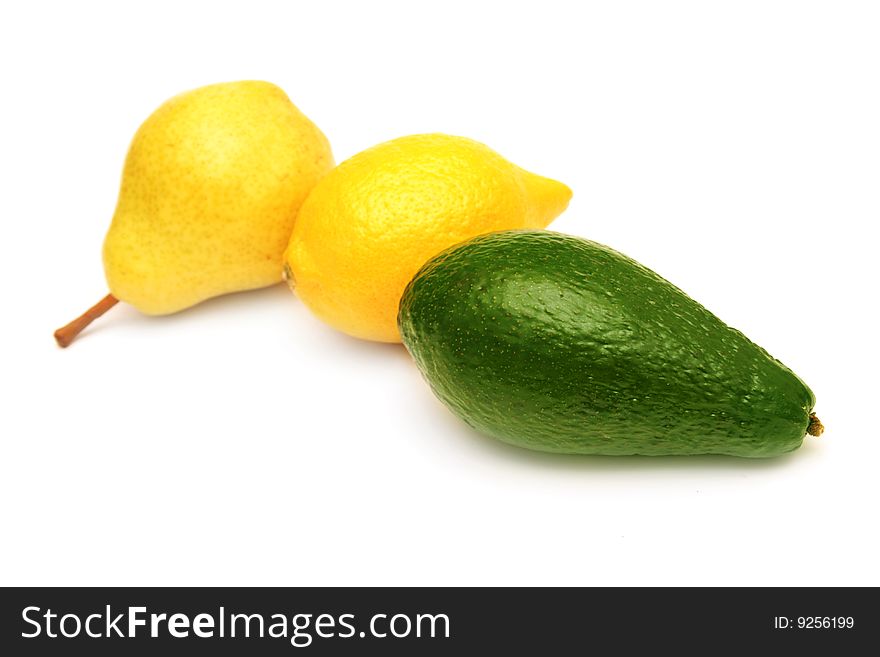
(211, 187)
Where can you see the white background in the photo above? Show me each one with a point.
(734, 147)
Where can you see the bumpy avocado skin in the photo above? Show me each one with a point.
(560, 344)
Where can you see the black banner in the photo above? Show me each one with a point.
(408, 621)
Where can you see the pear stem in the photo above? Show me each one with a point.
(815, 427)
(67, 334)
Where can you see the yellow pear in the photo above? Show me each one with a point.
(367, 228)
(212, 184)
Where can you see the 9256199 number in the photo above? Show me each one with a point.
(825, 622)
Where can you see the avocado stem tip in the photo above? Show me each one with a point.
(67, 334)
(815, 427)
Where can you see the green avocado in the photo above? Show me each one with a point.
(559, 344)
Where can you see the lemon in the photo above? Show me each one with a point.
(371, 223)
